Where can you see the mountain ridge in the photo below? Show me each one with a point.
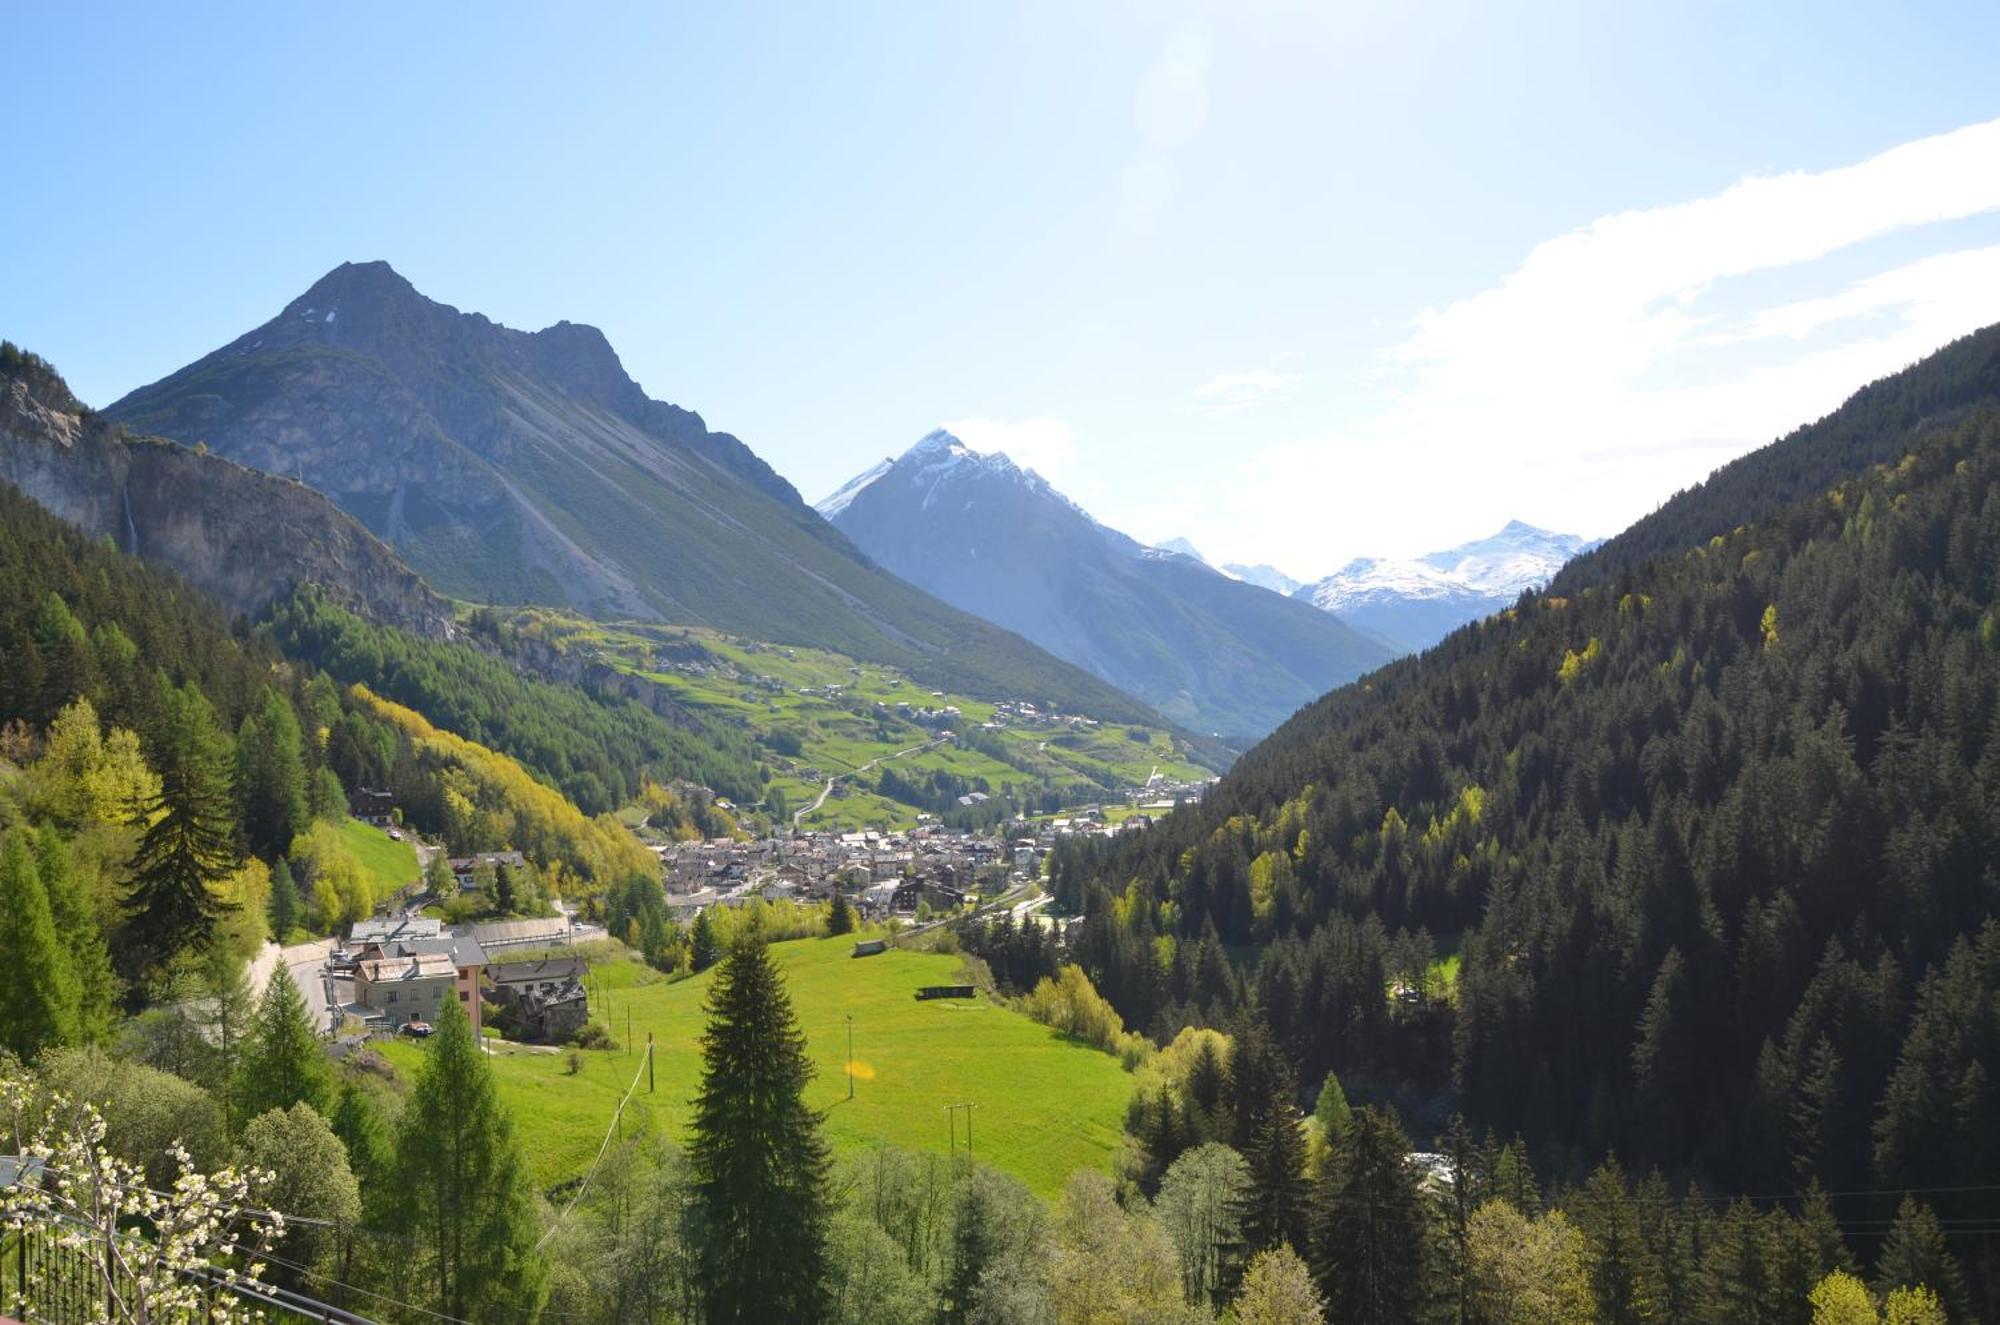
(518, 467)
(1000, 540)
(1416, 601)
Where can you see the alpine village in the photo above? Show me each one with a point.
(479, 846)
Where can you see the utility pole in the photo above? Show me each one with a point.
(850, 1055)
(649, 1062)
(951, 1127)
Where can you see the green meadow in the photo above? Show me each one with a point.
(389, 864)
(1046, 1105)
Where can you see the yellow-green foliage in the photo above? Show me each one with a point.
(1267, 872)
(1770, 626)
(243, 927)
(1471, 803)
(1528, 1271)
(537, 819)
(776, 921)
(1170, 1066)
(1573, 662)
(1071, 1004)
(87, 777)
(1841, 1299)
(1913, 1306)
(338, 891)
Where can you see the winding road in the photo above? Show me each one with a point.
(827, 790)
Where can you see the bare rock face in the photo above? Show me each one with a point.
(243, 537)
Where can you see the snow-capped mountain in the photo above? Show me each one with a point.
(1183, 547)
(1519, 557)
(1415, 602)
(997, 540)
(1264, 577)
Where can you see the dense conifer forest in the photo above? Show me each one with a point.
(1690, 866)
(597, 753)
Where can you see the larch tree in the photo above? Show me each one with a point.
(38, 989)
(1201, 1206)
(189, 842)
(282, 1063)
(1278, 1290)
(466, 1204)
(78, 930)
(1528, 1271)
(759, 1164)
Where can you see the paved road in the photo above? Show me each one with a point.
(827, 790)
(307, 963)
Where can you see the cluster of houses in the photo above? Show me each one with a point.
(1021, 713)
(397, 972)
(883, 873)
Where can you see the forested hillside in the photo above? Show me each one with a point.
(182, 769)
(1691, 866)
(1875, 426)
(598, 753)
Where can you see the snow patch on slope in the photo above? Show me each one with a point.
(837, 501)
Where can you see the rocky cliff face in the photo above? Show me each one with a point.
(240, 536)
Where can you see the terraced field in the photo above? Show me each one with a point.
(817, 714)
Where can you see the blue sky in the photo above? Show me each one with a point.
(1300, 282)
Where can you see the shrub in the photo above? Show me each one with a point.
(1072, 1005)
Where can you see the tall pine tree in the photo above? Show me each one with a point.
(1274, 1210)
(1371, 1228)
(758, 1160)
(189, 844)
(465, 1201)
(704, 949)
(271, 776)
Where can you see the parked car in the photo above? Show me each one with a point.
(395, 834)
(419, 1029)
(340, 959)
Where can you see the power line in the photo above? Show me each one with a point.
(617, 1116)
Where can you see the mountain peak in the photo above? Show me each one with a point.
(375, 280)
(937, 439)
(940, 445)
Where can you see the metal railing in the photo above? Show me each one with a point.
(49, 1279)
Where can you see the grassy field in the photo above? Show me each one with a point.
(759, 687)
(1047, 1106)
(388, 864)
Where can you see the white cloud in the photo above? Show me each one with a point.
(1628, 358)
(1229, 393)
(1045, 445)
